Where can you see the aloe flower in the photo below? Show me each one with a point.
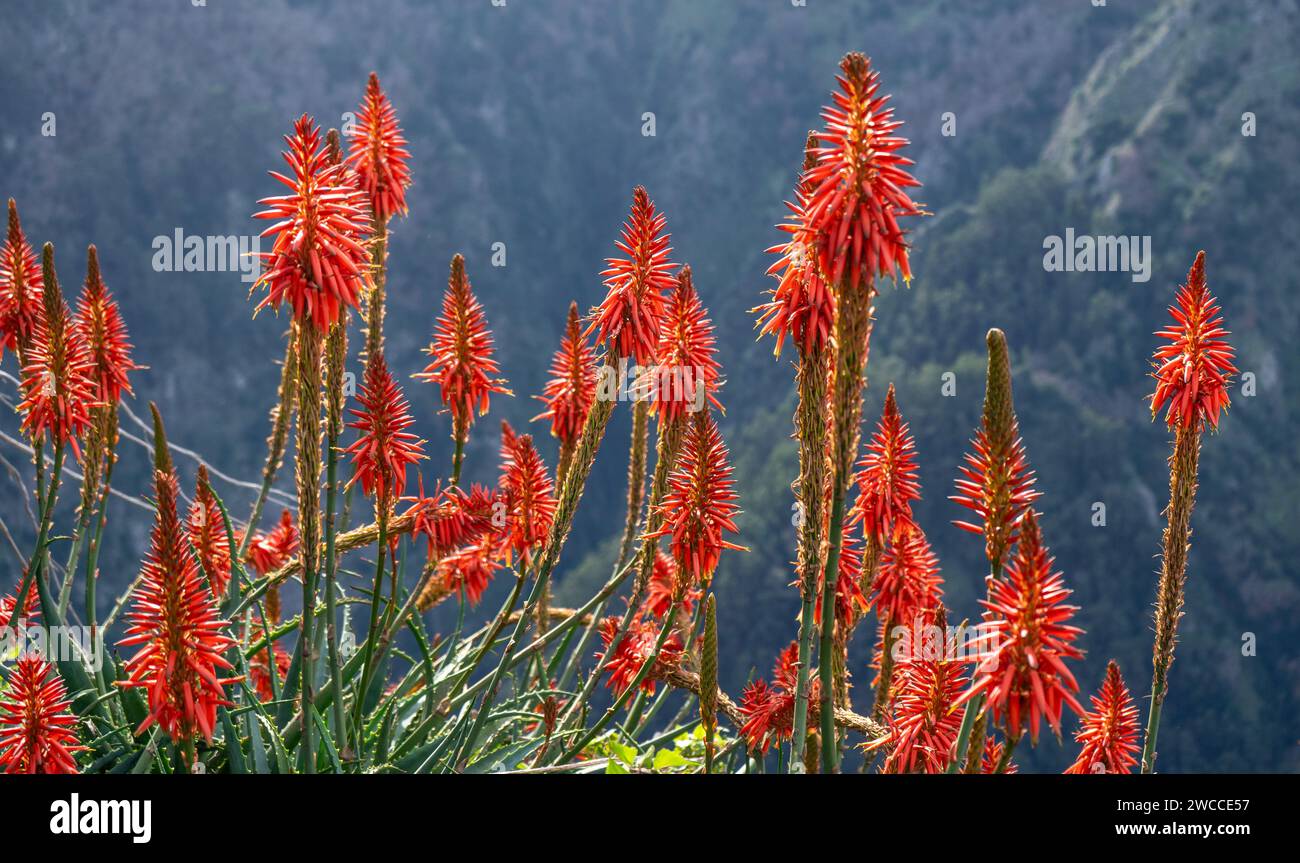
(378, 153)
(628, 321)
(887, 479)
(384, 448)
(570, 390)
(38, 730)
(1109, 731)
(100, 327)
(528, 492)
(318, 262)
(206, 531)
(21, 303)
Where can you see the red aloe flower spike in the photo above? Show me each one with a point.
(7, 605)
(384, 447)
(37, 727)
(451, 518)
(700, 505)
(207, 531)
(634, 650)
(461, 353)
(769, 709)
(1109, 731)
(529, 494)
(378, 153)
(858, 183)
(268, 552)
(996, 482)
(100, 327)
(175, 623)
(1024, 676)
(572, 387)
(628, 321)
(923, 724)
(1193, 371)
(887, 479)
(318, 263)
(21, 303)
(802, 304)
(56, 380)
(687, 354)
(850, 602)
(907, 582)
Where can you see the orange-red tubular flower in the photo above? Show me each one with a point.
(100, 327)
(1192, 371)
(270, 551)
(318, 263)
(1109, 731)
(59, 392)
(384, 448)
(1024, 676)
(461, 361)
(378, 153)
(176, 626)
(7, 605)
(700, 505)
(571, 389)
(802, 305)
(992, 757)
(858, 183)
(686, 354)
(529, 494)
(634, 650)
(20, 288)
(923, 724)
(451, 518)
(907, 582)
(629, 318)
(259, 670)
(206, 529)
(850, 602)
(769, 709)
(37, 727)
(887, 478)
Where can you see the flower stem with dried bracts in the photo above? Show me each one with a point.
(1192, 372)
(853, 331)
(308, 469)
(336, 351)
(709, 681)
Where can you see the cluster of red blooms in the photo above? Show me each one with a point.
(38, 731)
(1109, 731)
(528, 495)
(175, 624)
(21, 289)
(923, 725)
(205, 528)
(571, 388)
(629, 319)
(378, 153)
(634, 650)
(1193, 370)
(1024, 677)
(769, 708)
(271, 550)
(318, 263)
(686, 342)
(461, 361)
(10, 602)
(384, 448)
(887, 477)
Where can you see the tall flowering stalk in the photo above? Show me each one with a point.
(378, 153)
(1192, 372)
(38, 730)
(461, 361)
(857, 196)
(99, 326)
(803, 308)
(318, 266)
(997, 484)
(1108, 732)
(381, 454)
(207, 533)
(175, 624)
(570, 391)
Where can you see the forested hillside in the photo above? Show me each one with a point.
(526, 128)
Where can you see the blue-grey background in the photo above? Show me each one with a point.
(525, 122)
